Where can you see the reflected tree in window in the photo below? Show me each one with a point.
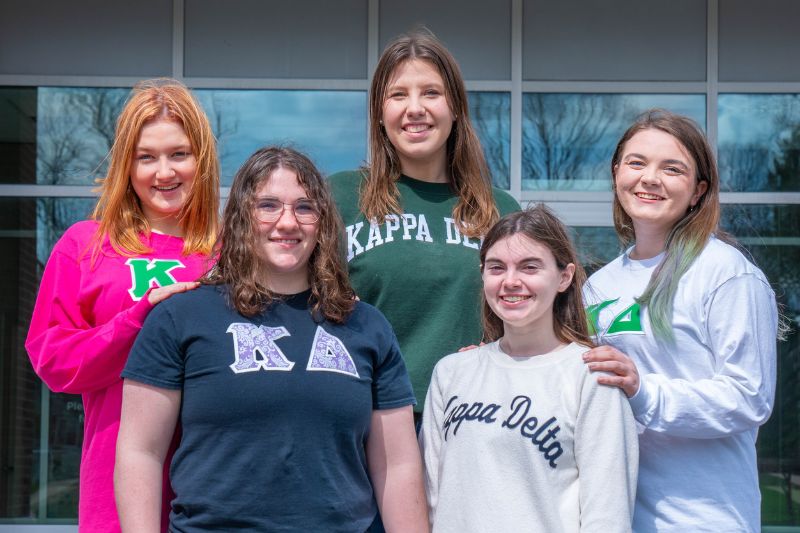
(491, 115)
(75, 132)
(759, 142)
(770, 235)
(566, 139)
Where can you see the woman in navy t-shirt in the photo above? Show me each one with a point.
(293, 399)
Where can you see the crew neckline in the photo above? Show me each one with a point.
(500, 358)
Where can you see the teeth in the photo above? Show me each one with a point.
(647, 196)
(286, 241)
(416, 128)
(167, 187)
(513, 299)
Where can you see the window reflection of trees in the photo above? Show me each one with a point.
(491, 115)
(759, 142)
(568, 139)
(771, 235)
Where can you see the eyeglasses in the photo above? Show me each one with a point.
(271, 209)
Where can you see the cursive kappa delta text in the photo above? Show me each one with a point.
(543, 436)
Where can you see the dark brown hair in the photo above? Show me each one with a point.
(239, 265)
(540, 224)
(469, 176)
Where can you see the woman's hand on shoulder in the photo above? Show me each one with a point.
(162, 293)
(621, 369)
(470, 347)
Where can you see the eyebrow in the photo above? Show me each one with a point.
(666, 161)
(523, 260)
(146, 148)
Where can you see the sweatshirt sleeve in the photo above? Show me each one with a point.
(67, 352)
(607, 457)
(430, 439)
(742, 321)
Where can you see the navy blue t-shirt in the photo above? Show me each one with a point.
(275, 411)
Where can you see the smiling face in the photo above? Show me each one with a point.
(520, 283)
(162, 172)
(655, 182)
(418, 119)
(285, 245)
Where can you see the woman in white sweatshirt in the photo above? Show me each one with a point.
(688, 328)
(517, 435)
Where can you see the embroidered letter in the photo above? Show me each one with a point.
(249, 339)
(392, 225)
(329, 354)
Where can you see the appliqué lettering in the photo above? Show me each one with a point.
(146, 273)
(629, 320)
(249, 339)
(329, 354)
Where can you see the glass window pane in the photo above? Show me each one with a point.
(329, 126)
(28, 488)
(75, 131)
(568, 139)
(759, 142)
(771, 233)
(17, 134)
(491, 118)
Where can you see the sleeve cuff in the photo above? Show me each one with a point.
(140, 310)
(639, 402)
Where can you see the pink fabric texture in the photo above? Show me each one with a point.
(88, 312)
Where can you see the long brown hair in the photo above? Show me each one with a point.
(540, 224)
(475, 211)
(239, 265)
(691, 233)
(118, 209)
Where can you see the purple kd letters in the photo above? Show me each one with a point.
(328, 352)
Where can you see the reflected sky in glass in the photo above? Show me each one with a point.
(491, 117)
(328, 126)
(759, 142)
(568, 139)
(75, 128)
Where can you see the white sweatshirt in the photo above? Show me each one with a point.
(526, 444)
(702, 398)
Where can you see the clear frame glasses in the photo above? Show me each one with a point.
(271, 209)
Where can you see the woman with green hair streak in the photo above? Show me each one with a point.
(687, 328)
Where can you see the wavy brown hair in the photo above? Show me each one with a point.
(119, 210)
(540, 224)
(239, 265)
(475, 211)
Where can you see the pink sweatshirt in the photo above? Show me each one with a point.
(84, 323)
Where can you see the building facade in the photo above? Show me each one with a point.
(552, 85)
